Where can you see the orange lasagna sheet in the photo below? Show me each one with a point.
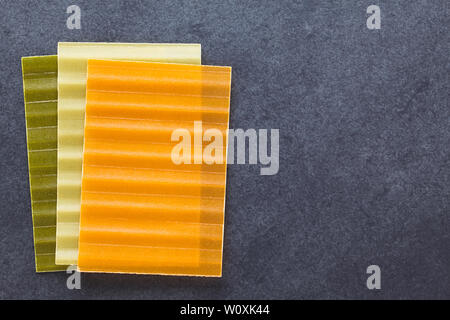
(154, 168)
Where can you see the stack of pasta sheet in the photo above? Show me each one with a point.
(127, 158)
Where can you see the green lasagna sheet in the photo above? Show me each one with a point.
(41, 98)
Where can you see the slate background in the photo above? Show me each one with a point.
(364, 145)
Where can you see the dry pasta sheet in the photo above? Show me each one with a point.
(40, 96)
(141, 210)
(72, 64)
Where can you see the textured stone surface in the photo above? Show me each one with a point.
(364, 124)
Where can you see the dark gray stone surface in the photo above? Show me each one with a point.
(364, 145)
